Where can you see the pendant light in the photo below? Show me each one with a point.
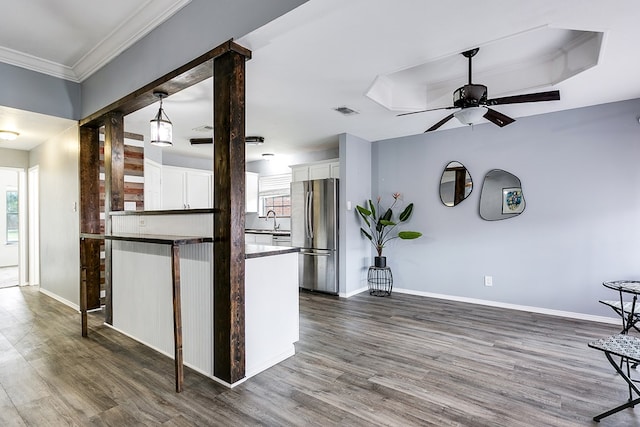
(161, 127)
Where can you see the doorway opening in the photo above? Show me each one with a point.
(12, 206)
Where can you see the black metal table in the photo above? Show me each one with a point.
(626, 347)
(380, 281)
(628, 310)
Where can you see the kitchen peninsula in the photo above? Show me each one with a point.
(142, 290)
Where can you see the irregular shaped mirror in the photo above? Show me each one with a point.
(455, 184)
(501, 196)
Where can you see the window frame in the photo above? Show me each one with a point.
(10, 213)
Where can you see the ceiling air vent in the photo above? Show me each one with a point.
(346, 111)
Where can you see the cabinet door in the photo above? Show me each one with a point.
(199, 193)
(300, 173)
(320, 171)
(251, 192)
(264, 239)
(173, 188)
(249, 238)
(152, 185)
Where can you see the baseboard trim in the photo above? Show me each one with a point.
(530, 309)
(56, 297)
(352, 293)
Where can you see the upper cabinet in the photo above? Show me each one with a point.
(316, 170)
(183, 188)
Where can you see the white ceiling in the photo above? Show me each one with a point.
(328, 53)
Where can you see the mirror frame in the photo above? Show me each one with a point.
(460, 185)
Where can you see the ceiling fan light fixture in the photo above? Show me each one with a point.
(8, 135)
(160, 126)
(470, 115)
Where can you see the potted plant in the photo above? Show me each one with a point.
(381, 228)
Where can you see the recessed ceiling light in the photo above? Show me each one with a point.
(8, 135)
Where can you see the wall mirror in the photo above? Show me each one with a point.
(501, 196)
(455, 184)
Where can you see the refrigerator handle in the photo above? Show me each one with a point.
(310, 214)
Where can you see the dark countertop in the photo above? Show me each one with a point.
(258, 251)
(272, 232)
(165, 212)
(150, 238)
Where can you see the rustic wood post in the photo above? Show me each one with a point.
(113, 193)
(89, 158)
(229, 199)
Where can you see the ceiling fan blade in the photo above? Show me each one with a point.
(498, 118)
(424, 111)
(553, 95)
(440, 123)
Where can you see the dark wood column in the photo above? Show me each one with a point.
(229, 199)
(90, 215)
(113, 192)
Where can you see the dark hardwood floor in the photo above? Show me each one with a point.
(397, 361)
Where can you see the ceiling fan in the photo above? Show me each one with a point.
(472, 101)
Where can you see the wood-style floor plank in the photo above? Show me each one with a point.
(364, 361)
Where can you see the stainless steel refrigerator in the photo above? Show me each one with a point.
(314, 229)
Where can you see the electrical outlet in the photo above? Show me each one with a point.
(488, 280)
(142, 222)
(103, 294)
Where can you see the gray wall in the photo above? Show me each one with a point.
(581, 225)
(59, 222)
(31, 91)
(197, 28)
(355, 187)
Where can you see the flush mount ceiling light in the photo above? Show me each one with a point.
(470, 115)
(8, 135)
(161, 127)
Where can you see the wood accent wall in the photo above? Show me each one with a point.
(133, 182)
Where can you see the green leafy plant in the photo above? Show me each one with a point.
(381, 228)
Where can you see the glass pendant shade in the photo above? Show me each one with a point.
(470, 115)
(161, 127)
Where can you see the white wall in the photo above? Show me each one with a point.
(581, 225)
(59, 221)
(355, 188)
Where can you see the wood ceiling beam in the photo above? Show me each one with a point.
(181, 78)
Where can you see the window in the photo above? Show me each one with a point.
(12, 216)
(274, 193)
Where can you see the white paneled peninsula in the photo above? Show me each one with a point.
(142, 291)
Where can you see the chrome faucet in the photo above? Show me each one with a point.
(275, 216)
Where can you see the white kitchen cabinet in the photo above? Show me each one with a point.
(152, 185)
(251, 192)
(258, 238)
(184, 188)
(198, 189)
(316, 170)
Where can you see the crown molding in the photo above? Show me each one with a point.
(33, 63)
(147, 17)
